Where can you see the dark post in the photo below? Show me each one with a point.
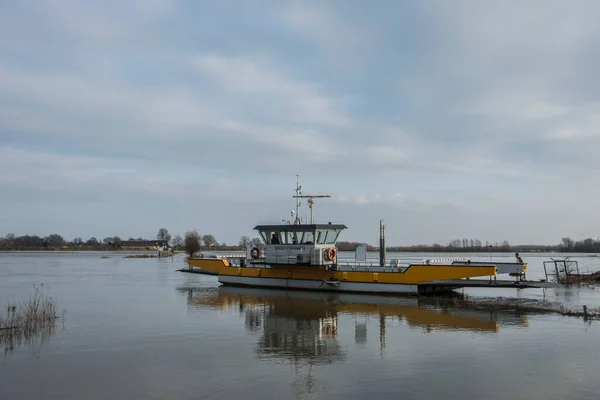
(381, 244)
(381, 334)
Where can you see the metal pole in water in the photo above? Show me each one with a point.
(381, 244)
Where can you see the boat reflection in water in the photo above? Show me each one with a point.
(300, 328)
(305, 324)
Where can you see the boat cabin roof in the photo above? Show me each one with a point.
(299, 227)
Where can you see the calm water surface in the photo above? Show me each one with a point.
(136, 329)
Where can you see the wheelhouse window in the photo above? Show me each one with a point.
(290, 238)
(321, 235)
(306, 237)
(276, 238)
(314, 234)
(272, 237)
(327, 236)
(332, 236)
(263, 236)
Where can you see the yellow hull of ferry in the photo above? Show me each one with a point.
(210, 265)
(318, 278)
(414, 274)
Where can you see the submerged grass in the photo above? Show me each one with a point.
(33, 318)
(533, 306)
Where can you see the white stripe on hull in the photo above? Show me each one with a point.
(365, 287)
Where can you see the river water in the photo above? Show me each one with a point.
(137, 329)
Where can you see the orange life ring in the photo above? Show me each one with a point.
(255, 252)
(330, 253)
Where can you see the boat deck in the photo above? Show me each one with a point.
(400, 265)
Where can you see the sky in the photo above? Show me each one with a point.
(446, 119)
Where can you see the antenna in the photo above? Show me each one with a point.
(311, 202)
(297, 196)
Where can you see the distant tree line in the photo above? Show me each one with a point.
(57, 242)
(351, 246)
(457, 245)
(466, 245)
(588, 245)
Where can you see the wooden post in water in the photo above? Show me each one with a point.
(381, 334)
(381, 244)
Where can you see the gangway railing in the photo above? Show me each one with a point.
(563, 271)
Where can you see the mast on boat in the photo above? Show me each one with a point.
(297, 196)
(311, 202)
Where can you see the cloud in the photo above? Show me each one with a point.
(299, 101)
(359, 199)
(110, 22)
(475, 109)
(513, 105)
(52, 172)
(342, 40)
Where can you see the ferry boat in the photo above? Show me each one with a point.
(300, 255)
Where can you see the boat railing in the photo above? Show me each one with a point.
(284, 259)
(373, 265)
(217, 256)
(342, 265)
